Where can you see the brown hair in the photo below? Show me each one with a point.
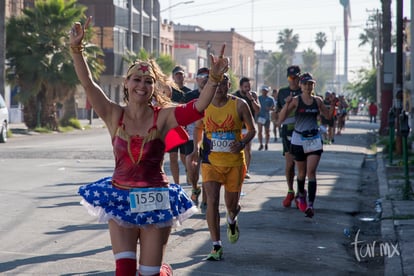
(160, 80)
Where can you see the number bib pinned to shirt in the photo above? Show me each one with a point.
(149, 199)
(222, 141)
(313, 143)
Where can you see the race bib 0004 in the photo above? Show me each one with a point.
(149, 199)
(222, 141)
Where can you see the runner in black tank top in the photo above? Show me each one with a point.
(306, 141)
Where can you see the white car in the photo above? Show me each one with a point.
(4, 120)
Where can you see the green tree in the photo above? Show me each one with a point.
(320, 40)
(288, 42)
(274, 71)
(166, 63)
(310, 61)
(365, 86)
(40, 62)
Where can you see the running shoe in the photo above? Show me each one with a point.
(233, 232)
(166, 270)
(287, 202)
(216, 254)
(266, 147)
(309, 212)
(300, 201)
(247, 175)
(261, 147)
(195, 194)
(203, 207)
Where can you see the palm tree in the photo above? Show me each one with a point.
(288, 42)
(40, 62)
(274, 70)
(320, 40)
(370, 37)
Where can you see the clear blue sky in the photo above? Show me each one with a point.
(261, 21)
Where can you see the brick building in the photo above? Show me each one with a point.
(239, 49)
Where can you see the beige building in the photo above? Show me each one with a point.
(167, 38)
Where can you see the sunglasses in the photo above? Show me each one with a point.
(291, 78)
(202, 76)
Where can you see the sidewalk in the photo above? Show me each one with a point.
(397, 225)
(21, 128)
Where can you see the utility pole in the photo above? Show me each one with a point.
(378, 55)
(378, 45)
(347, 14)
(387, 68)
(398, 89)
(412, 63)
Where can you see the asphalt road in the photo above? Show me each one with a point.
(44, 230)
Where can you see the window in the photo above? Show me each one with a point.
(121, 3)
(119, 40)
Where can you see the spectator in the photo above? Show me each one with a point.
(178, 96)
(267, 104)
(373, 110)
(251, 98)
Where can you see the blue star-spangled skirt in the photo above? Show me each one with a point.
(106, 202)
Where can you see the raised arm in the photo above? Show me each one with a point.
(255, 102)
(99, 101)
(219, 66)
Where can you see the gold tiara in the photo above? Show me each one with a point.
(141, 69)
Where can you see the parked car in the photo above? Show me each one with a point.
(4, 120)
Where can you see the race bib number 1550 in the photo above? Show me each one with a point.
(149, 199)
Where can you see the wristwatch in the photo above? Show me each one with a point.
(243, 144)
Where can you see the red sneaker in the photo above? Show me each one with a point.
(300, 201)
(287, 202)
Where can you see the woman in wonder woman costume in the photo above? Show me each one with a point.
(137, 202)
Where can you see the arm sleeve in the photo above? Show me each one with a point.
(187, 113)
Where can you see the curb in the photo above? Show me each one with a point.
(392, 266)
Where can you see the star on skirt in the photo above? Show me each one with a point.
(106, 202)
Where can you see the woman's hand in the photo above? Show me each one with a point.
(78, 32)
(219, 66)
(289, 98)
